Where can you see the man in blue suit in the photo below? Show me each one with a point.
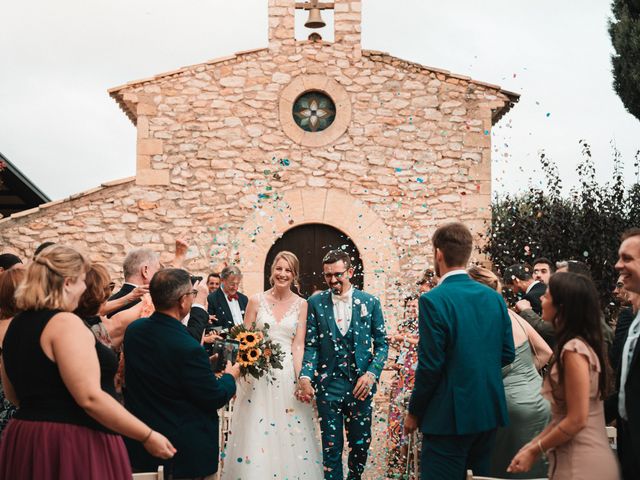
(345, 351)
(169, 382)
(465, 339)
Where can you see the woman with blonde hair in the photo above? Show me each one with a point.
(66, 425)
(528, 412)
(270, 428)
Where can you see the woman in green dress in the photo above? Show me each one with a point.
(529, 412)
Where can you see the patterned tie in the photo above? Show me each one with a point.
(232, 297)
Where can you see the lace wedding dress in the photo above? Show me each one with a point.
(273, 435)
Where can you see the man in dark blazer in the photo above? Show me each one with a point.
(627, 398)
(169, 383)
(227, 304)
(458, 400)
(518, 277)
(138, 267)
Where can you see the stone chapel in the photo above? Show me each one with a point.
(301, 145)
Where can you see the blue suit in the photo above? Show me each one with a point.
(465, 339)
(334, 362)
(170, 387)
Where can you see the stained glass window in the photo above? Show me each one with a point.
(314, 111)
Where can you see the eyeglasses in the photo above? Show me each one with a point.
(193, 293)
(338, 275)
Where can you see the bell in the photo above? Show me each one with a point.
(315, 19)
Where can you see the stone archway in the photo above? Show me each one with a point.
(319, 205)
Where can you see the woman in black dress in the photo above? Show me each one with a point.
(66, 425)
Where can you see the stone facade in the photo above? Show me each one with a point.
(220, 162)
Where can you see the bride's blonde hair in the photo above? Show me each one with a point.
(293, 263)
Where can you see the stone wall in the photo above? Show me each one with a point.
(212, 157)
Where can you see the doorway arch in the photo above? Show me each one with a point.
(310, 243)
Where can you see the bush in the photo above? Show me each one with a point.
(584, 226)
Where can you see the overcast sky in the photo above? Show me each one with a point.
(57, 60)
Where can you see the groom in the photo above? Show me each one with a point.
(345, 350)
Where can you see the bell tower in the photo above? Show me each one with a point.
(347, 23)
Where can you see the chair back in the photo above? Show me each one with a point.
(612, 435)
(159, 475)
(471, 476)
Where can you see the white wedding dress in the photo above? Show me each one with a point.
(273, 435)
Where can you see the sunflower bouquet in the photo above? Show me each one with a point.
(258, 354)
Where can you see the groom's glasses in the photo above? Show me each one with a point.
(338, 275)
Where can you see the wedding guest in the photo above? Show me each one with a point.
(573, 266)
(9, 261)
(542, 269)
(465, 338)
(406, 341)
(66, 425)
(138, 268)
(227, 304)
(9, 281)
(626, 315)
(575, 442)
(518, 277)
(169, 382)
(627, 398)
(213, 281)
(528, 411)
(98, 288)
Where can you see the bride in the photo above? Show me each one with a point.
(273, 435)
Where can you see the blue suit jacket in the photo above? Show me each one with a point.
(371, 346)
(170, 387)
(465, 339)
(218, 306)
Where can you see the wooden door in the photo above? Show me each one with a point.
(310, 243)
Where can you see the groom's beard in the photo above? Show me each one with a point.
(338, 288)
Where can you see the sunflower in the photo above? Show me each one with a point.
(249, 340)
(254, 354)
(243, 359)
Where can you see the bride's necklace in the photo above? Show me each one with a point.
(281, 300)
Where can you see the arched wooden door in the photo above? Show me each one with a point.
(310, 243)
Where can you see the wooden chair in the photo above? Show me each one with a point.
(159, 475)
(471, 476)
(612, 435)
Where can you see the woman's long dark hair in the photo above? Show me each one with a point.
(578, 315)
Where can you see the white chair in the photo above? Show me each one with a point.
(471, 476)
(159, 475)
(612, 435)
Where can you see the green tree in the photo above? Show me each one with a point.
(624, 30)
(585, 225)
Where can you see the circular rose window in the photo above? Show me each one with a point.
(314, 111)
